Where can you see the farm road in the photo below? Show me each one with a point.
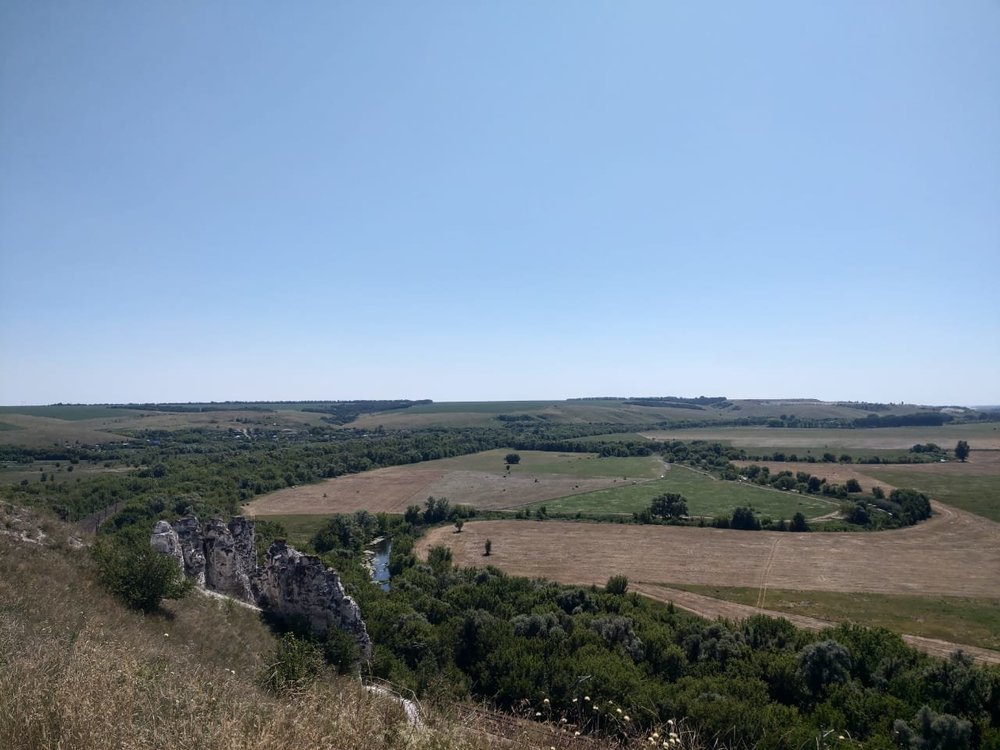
(952, 554)
(706, 606)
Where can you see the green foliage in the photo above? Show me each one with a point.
(139, 576)
(340, 649)
(822, 664)
(933, 731)
(799, 523)
(669, 505)
(512, 459)
(961, 450)
(617, 585)
(744, 518)
(293, 665)
(439, 558)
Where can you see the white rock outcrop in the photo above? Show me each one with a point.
(222, 557)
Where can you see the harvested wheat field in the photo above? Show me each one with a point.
(954, 553)
(467, 480)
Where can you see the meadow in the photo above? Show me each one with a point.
(967, 620)
(706, 496)
(973, 486)
(480, 480)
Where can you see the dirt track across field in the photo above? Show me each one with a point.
(952, 554)
(706, 606)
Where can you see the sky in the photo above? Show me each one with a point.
(499, 200)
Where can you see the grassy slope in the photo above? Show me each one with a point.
(542, 462)
(79, 671)
(705, 496)
(977, 494)
(975, 622)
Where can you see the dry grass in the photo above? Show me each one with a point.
(80, 672)
(953, 554)
(469, 480)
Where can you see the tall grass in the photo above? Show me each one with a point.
(78, 671)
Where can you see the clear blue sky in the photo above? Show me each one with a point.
(261, 200)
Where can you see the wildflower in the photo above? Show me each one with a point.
(576, 734)
(626, 717)
(586, 697)
(596, 707)
(670, 722)
(574, 700)
(656, 735)
(166, 635)
(840, 737)
(618, 710)
(546, 701)
(538, 713)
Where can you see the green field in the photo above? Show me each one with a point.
(70, 412)
(705, 496)
(5, 426)
(300, 528)
(974, 622)
(976, 493)
(820, 439)
(547, 462)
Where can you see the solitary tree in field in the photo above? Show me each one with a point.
(459, 523)
(488, 547)
(512, 458)
(961, 450)
(669, 505)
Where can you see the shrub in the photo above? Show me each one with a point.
(293, 665)
(135, 573)
(617, 585)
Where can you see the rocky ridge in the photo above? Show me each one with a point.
(221, 557)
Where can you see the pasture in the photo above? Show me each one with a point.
(818, 440)
(973, 486)
(479, 480)
(705, 495)
(832, 473)
(973, 621)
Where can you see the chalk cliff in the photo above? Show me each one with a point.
(222, 557)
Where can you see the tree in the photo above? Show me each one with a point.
(512, 458)
(669, 505)
(933, 731)
(799, 523)
(458, 525)
(488, 547)
(617, 585)
(853, 485)
(961, 450)
(743, 518)
(822, 664)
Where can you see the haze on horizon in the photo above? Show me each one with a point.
(335, 201)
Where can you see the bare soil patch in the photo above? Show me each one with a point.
(953, 553)
(833, 473)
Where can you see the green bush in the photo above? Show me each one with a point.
(294, 664)
(135, 573)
